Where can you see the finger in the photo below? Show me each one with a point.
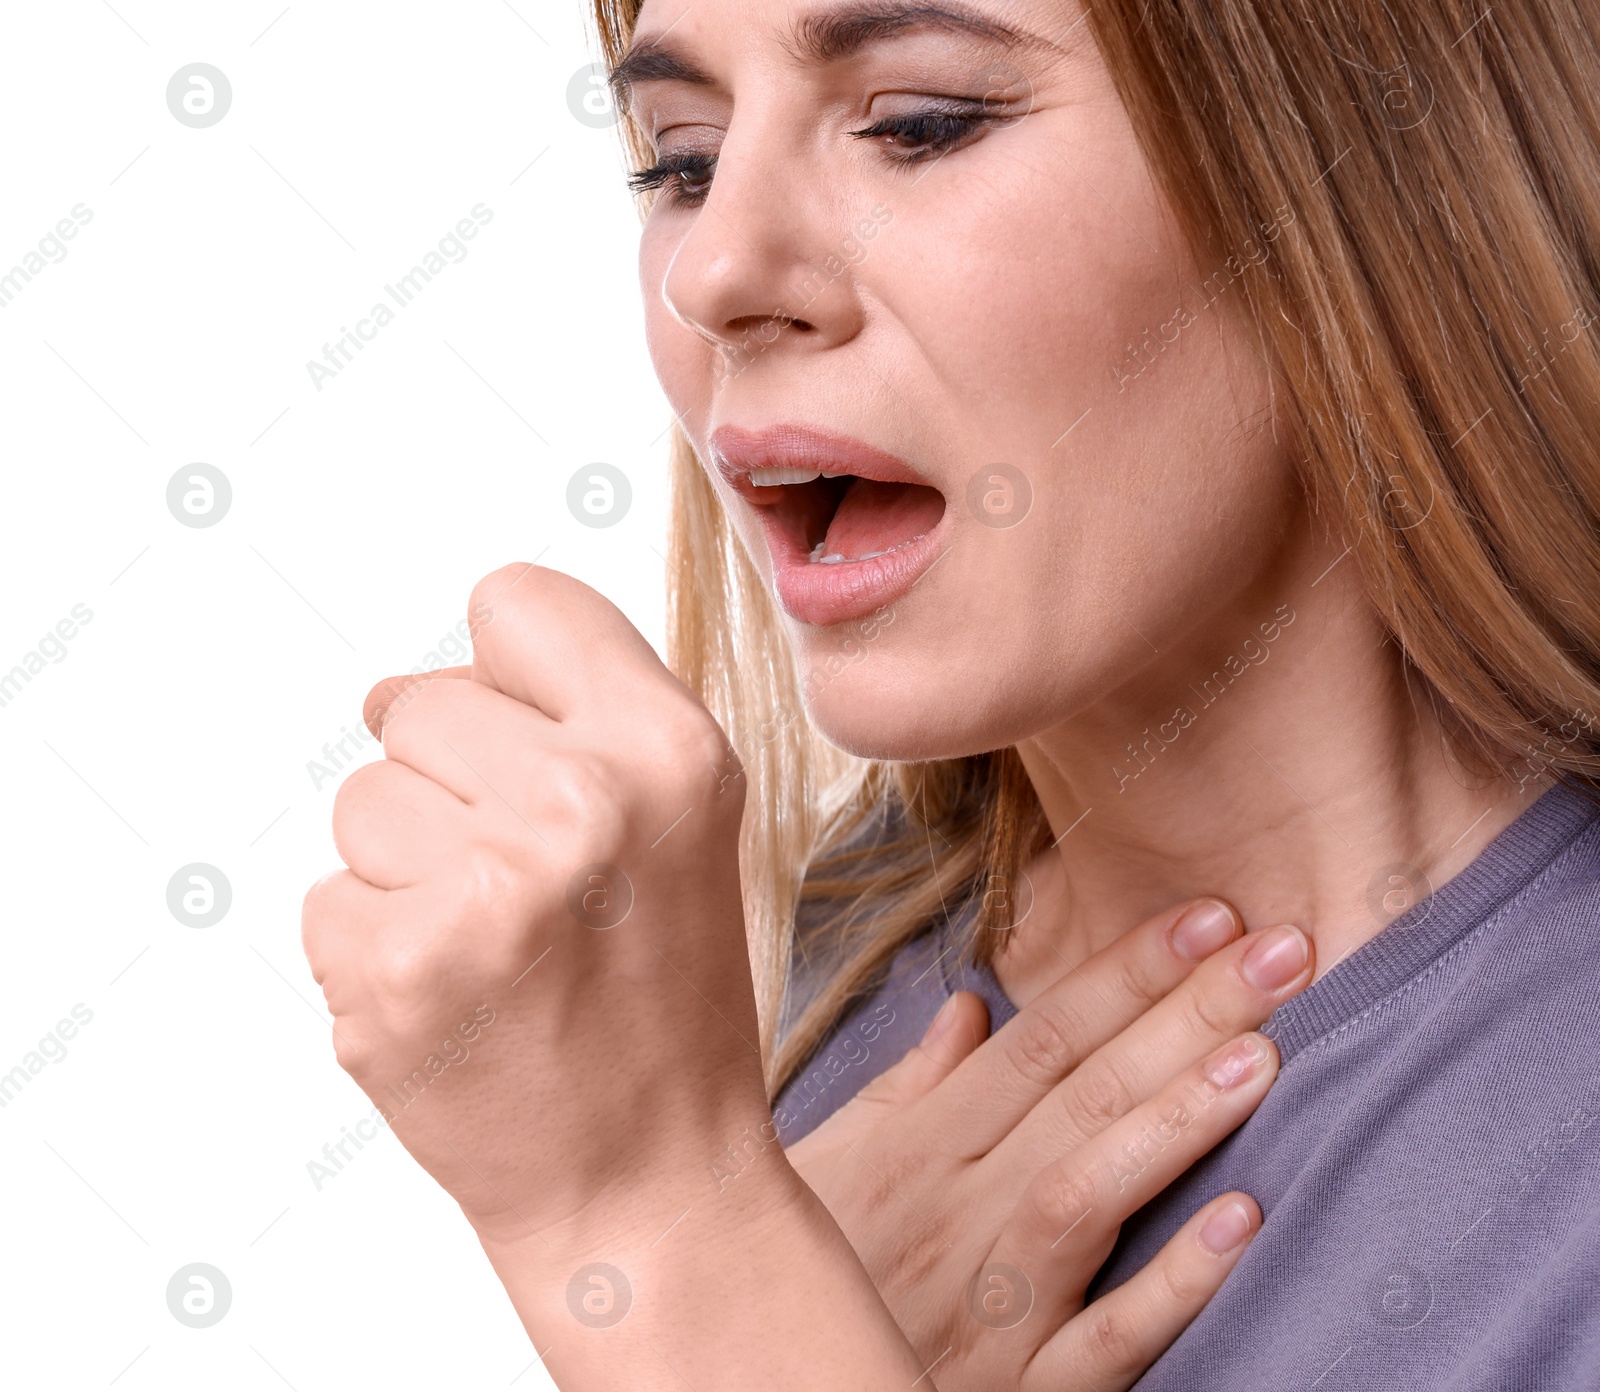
(390, 694)
(471, 739)
(850, 1136)
(960, 1026)
(1233, 991)
(1068, 1215)
(1003, 1080)
(391, 825)
(1115, 1340)
(340, 916)
(550, 641)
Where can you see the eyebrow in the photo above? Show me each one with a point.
(827, 36)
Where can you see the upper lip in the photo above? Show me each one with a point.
(736, 450)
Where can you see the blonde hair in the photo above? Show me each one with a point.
(1432, 317)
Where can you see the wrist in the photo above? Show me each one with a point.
(655, 1211)
(710, 1275)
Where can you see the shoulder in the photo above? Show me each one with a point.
(1555, 917)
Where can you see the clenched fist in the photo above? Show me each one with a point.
(536, 960)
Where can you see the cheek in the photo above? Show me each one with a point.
(1031, 283)
(1156, 498)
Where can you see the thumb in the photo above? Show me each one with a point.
(960, 1026)
(392, 694)
(553, 643)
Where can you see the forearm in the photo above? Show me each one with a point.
(750, 1286)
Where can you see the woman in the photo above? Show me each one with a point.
(1154, 442)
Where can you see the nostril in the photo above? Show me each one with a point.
(766, 329)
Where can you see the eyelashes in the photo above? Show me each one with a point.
(918, 136)
(680, 175)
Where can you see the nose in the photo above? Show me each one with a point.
(764, 265)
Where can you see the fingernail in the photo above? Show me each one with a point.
(1236, 1063)
(1205, 926)
(940, 1022)
(1225, 1229)
(1277, 956)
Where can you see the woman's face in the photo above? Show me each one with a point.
(1056, 462)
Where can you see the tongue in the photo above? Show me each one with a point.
(876, 516)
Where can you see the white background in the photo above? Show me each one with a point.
(178, 727)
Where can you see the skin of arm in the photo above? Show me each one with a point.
(754, 1287)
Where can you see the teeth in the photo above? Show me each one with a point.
(826, 474)
(816, 556)
(772, 478)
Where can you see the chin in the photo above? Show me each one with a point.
(876, 713)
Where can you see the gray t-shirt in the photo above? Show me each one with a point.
(1428, 1162)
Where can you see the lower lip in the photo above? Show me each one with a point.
(819, 594)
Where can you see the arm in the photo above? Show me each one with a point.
(755, 1287)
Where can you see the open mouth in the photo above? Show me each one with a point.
(849, 527)
(841, 518)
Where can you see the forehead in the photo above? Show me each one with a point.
(815, 35)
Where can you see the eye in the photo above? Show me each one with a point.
(922, 135)
(686, 178)
(914, 137)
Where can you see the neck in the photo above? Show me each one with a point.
(1284, 758)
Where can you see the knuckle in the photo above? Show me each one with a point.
(353, 1053)
(320, 915)
(1111, 1343)
(489, 885)
(319, 898)
(690, 747)
(505, 600)
(356, 791)
(490, 594)
(1208, 1014)
(1100, 1096)
(1044, 1049)
(405, 978)
(1060, 1196)
(1181, 1284)
(582, 798)
(1134, 981)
